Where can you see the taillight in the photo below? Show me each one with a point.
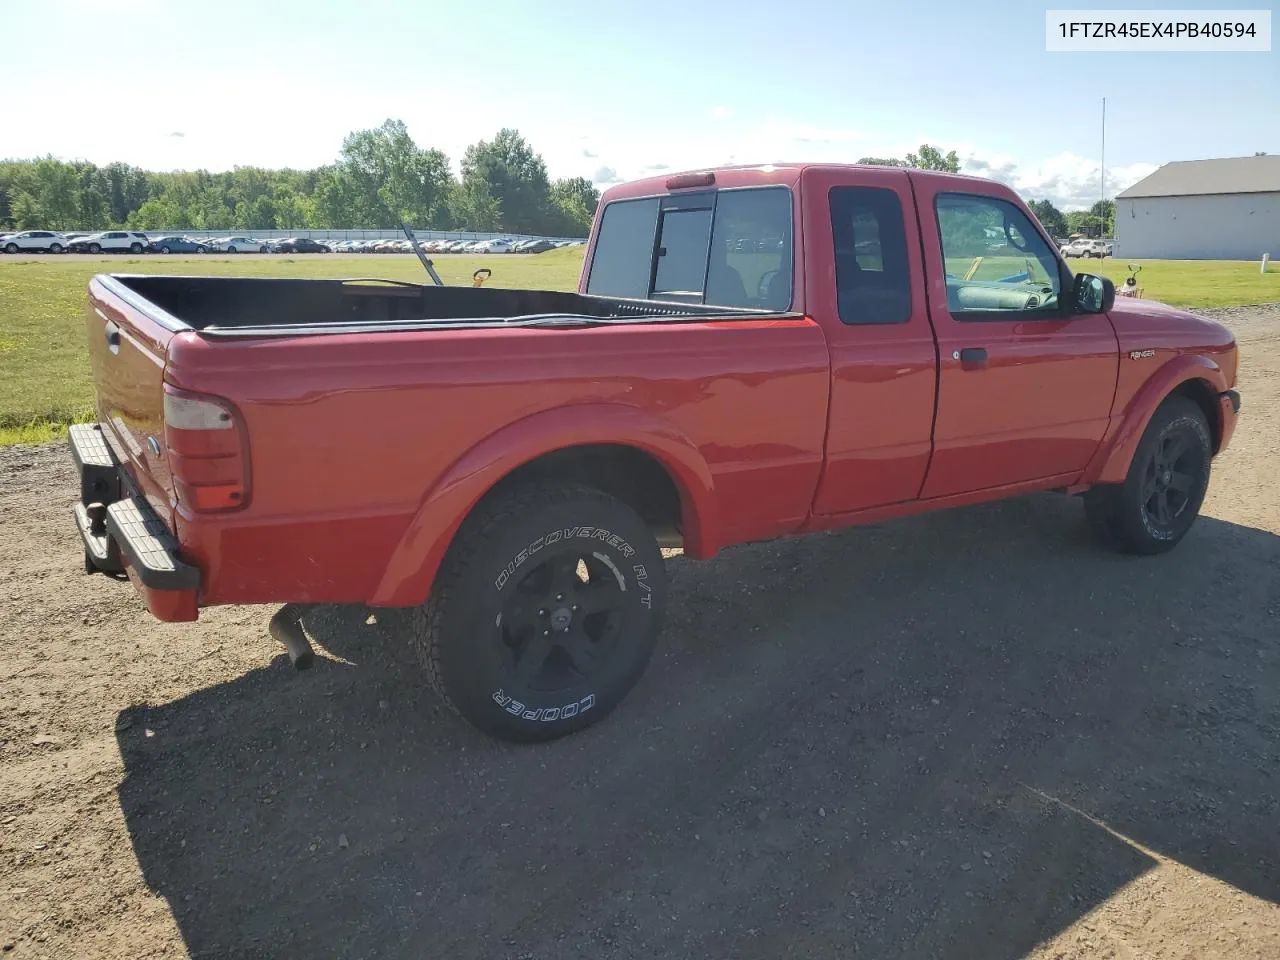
(207, 456)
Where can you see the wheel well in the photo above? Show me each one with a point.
(1201, 394)
(633, 476)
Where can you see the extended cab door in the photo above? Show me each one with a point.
(865, 286)
(1025, 387)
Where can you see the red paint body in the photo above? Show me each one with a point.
(367, 450)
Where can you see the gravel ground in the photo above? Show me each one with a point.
(966, 735)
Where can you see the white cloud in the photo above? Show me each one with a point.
(1069, 180)
(721, 113)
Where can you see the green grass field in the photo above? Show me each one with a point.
(1180, 283)
(44, 368)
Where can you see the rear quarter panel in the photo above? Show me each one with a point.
(351, 437)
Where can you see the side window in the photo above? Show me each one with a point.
(751, 250)
(873, 275)
(624, 249)
(997, 264)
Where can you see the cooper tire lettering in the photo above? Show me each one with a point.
(544, 714)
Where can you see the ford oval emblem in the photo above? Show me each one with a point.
(154, 444)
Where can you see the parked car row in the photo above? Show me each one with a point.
(130, 241)
(497, 245)
(124, 241)
(47, 241)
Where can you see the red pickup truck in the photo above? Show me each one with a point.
(752, 352)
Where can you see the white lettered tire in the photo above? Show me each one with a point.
(545, 612)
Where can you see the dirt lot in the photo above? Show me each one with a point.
(966, 735)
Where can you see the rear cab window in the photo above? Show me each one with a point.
(731, 247)
(873, 274)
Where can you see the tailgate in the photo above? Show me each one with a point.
(128, 344)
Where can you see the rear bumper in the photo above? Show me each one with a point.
(127, 536)
(1229, 404)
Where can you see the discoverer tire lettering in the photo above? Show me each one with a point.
(556, 536)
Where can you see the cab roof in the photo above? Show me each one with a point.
(751, 175)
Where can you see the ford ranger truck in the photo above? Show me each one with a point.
(751, 353)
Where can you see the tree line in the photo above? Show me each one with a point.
(1098, 221)
(382, 178)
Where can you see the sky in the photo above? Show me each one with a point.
(615, 92)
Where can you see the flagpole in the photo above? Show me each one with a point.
(1102, 209)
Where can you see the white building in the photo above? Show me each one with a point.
(1227, 209)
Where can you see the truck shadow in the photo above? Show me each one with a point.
(902, 740)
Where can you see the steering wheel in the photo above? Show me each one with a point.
(762, 288)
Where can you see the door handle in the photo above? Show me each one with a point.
(971, 357)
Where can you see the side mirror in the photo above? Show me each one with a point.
(1092, 294)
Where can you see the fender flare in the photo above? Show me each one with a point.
(412, 567)
(1111, 462)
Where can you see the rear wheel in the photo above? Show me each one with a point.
(135, 248)
(1161, 496)
(55, 248)
(545, 613)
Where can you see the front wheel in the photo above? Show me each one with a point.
(545, 613)
(95, 248)
(1159, 500)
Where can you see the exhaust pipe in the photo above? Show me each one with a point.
(286, 627)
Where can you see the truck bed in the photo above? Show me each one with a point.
(241, 306)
